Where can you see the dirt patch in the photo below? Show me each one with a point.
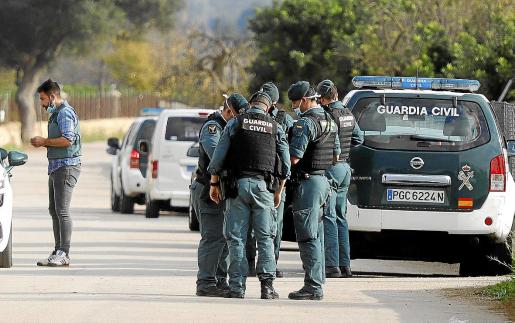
(479, 296)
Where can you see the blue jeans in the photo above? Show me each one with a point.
(254, 206)
(336, 229)
(310, 196)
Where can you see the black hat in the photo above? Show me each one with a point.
(324, 87)
(298, 90)
(262, 97)
(272, 90)
(237, 102)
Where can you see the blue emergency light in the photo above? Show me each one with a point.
(414, 83)
(150, 111)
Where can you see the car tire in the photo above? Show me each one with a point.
(115, 199)
(6, 256)
(126, 203)
(193, 223)
(492, 260)
(151, 208)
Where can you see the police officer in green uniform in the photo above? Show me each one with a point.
(285, 121)
(248, 148)
(336, 229)
(212, 249)
(314, 146)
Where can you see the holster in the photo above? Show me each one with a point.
(228, 185)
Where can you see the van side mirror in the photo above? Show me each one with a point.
(510, 147)
(114, 143)
(3, 154)
(193, 151)
(16, 158)
(143, 146)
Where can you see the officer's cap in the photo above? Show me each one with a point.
(272, 90)
(237, 102)
(325, 87)
(261, 97)
(298, 90)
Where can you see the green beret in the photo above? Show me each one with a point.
(298, 90)
(262, 97)
(237, 102)
(272, 90)
(324, 87)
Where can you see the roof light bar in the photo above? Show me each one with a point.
(150, 111)
(421, 83)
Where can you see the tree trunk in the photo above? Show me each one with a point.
(25, 100)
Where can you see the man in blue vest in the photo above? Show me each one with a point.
(314, 147)
(212, 249)
(63, 151)
(248, 148)
(336, 229)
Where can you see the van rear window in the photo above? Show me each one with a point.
(183, 128)
(421, 124)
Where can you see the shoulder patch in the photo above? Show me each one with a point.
(211, 128)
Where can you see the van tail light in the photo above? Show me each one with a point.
(498, 174)
(134, 162)
(155, 166)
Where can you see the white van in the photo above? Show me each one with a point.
(169, 170)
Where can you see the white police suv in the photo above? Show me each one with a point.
(7, 162)
(431, 180)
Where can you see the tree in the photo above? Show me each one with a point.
(304, 39)
(35, 32)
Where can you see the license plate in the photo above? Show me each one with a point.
(415, 196)
(190, 168)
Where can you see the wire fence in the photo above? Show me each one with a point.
(88, 106)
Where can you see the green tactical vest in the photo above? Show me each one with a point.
(74, 150)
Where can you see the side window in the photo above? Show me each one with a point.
(128, 135)
(145, 132)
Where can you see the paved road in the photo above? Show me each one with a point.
(126, 268)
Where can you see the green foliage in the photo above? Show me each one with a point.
(337, 39)
(503, 291)
(134, 63)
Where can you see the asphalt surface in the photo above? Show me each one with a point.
(126, 268)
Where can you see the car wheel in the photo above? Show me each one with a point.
(115, 199)
(126, 203)
(6, 256)
(492, 260)
(193, 220)
(151, 208)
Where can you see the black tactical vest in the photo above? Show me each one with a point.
(345, 122)
(253, 146)
(203, 159)
(319, 153)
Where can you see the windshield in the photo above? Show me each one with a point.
(421, 124)
(183, 128)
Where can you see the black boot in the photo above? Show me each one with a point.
(305, 295)
(211, 291)
(222, 285)
(279, 274)
(232, 294)
(346, 273)
(267, 290)
(332, 272)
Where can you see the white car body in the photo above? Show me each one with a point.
(174, 168)
(6, 208)
(132, 179)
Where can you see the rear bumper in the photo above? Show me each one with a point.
(497, 206)
(134, 183)
(177, 198)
